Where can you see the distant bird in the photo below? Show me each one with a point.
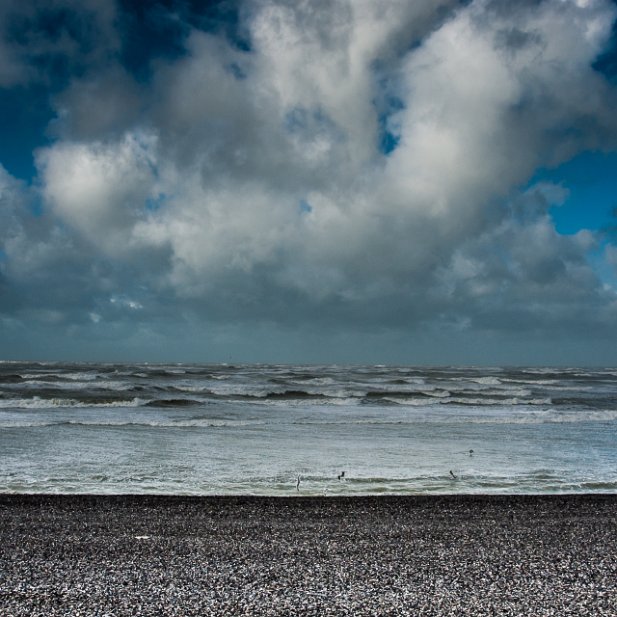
(452, 475)
(341, 475)
(298, 483)
(470, 452)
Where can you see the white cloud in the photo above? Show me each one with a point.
(124, 302)
(101, 189)
(100, 106)
(610, 254)
(253, 183)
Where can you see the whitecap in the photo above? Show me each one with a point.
(39, 403)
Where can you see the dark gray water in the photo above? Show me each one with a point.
(191, 429)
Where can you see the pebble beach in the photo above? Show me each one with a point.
(416, 555)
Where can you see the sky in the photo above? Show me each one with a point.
(324, 181)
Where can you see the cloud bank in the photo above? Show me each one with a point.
(336, 164)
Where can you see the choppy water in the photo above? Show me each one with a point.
(191, 429)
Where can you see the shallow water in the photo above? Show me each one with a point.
(220, 429)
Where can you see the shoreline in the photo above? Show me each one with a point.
(428, 496)
(305, 555)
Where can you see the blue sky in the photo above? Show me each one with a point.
(590, 179)
(327, 181)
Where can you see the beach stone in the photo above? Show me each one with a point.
(440, 555)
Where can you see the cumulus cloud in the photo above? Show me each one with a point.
(95, 107)
(358, 162)
(100, 189)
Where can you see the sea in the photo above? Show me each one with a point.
(226, 429)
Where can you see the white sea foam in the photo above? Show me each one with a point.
(485, 381)
(6, 424)
(485, 401)
(40, 403)
(65, 376)
(531, 382)
(193, 389)
(413, 402)
(303, 402)
(466, 402)
(161, 423)
(34, 384)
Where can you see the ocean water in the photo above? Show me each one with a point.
(253, 429)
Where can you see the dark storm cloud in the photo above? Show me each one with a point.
(52, 41)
